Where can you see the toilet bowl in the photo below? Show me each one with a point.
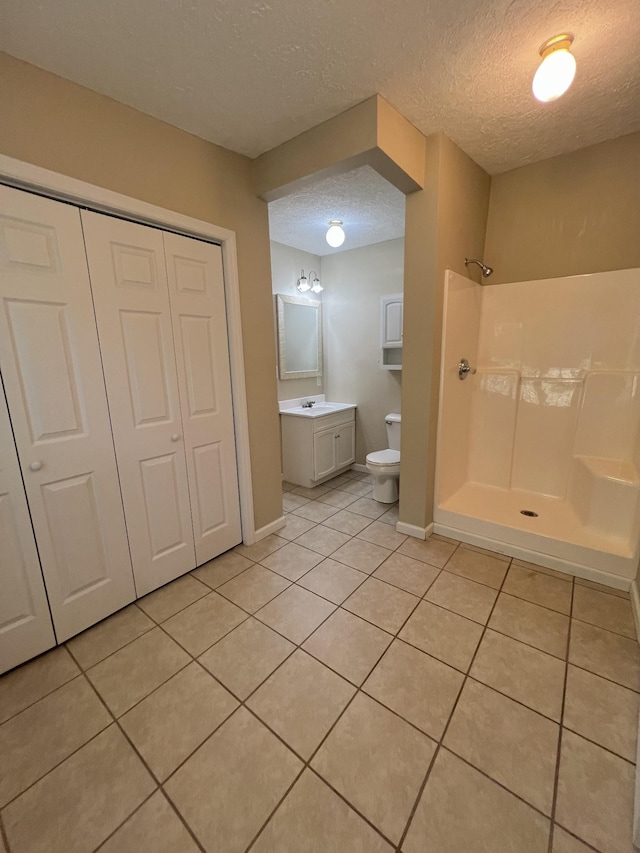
(384, 465)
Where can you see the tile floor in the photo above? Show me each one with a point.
(335, 687)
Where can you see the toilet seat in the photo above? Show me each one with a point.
(382, 458)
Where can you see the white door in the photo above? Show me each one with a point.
(196, 292)
(53, 379)
(25, 621)
(129, 283)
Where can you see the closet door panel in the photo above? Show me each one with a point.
(196, 289)
(55, 389)
(129, 284)
(25, 622)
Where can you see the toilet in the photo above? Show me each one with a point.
(384, 465)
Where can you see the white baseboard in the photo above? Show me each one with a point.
(361, 468)
(414, 530)
(267, 530)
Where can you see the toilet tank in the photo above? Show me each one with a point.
(392, 421)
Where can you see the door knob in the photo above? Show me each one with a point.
(464, 369)
(36, 465)
(175, 437)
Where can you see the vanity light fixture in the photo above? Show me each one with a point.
(556, 71)
(311, 283)
(303, 283)
(335, 234)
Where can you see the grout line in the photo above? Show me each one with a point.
(3, 835)
(559, 746)
(451, 714)
(608, 630)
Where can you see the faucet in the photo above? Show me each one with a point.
(308, 404)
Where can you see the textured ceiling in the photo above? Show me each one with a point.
(371, 209)
(250, 74)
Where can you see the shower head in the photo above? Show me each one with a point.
(486, 271)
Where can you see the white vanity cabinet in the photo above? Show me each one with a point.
(315, 448)
(391, 317)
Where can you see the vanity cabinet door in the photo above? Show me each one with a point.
(345, 444)
(324, 452)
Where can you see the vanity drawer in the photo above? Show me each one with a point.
(334, 419)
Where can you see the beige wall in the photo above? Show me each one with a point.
(58, 125)
(354, 281)
(573, 214)
(286, 264)
(445, 223)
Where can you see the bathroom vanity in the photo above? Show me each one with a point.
(318, 441)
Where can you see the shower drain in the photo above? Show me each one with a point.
(529, 512)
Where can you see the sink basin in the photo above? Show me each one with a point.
(317, 410)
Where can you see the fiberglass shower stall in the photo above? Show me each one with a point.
(539, 450)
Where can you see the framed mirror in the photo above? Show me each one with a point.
(299, 337)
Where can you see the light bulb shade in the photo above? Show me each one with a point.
(335, 234)
(303, 283)
(316, 287)
(554, 75)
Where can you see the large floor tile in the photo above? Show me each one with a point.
(408, 574)
(510, 743)
(526, 674)
(604, 610)
(239, 765)
(415, 686)
(254, 588)
(43, 735)
(478, 567)
(462, 810)
(170, 599)
(348, 644)
(391, 516)
(295, 613)
(292, 561)
(323, 540)
(316, 511)
(312, 493)
(261, 549)
(154, 828)
(383, 535)
(82, 801)
(464, 597)
(595, 795)
(222, 568)
(361, 555)
(443, 634)
(313, 819)
(537, 626)
(175, 719)
(245, 657)
(621, 593)
(332, 580)
(366, 738)
(552, 573)
(602, 711)
(336, 498)
(294, 527)
(565, 843)
(301, 701)
(433, 551)
(114, 632)
(606, 654)
(539, 588)
(291, 501)
(132, 673)
(357, 488)
(347, 522)
(368, 507)
(384, 605)
(30, 682)
(202, 624)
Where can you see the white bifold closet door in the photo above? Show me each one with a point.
(171, 412)
(25, 622)
(52, 374)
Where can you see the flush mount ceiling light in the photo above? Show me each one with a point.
(335, 234)
(556, 71)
